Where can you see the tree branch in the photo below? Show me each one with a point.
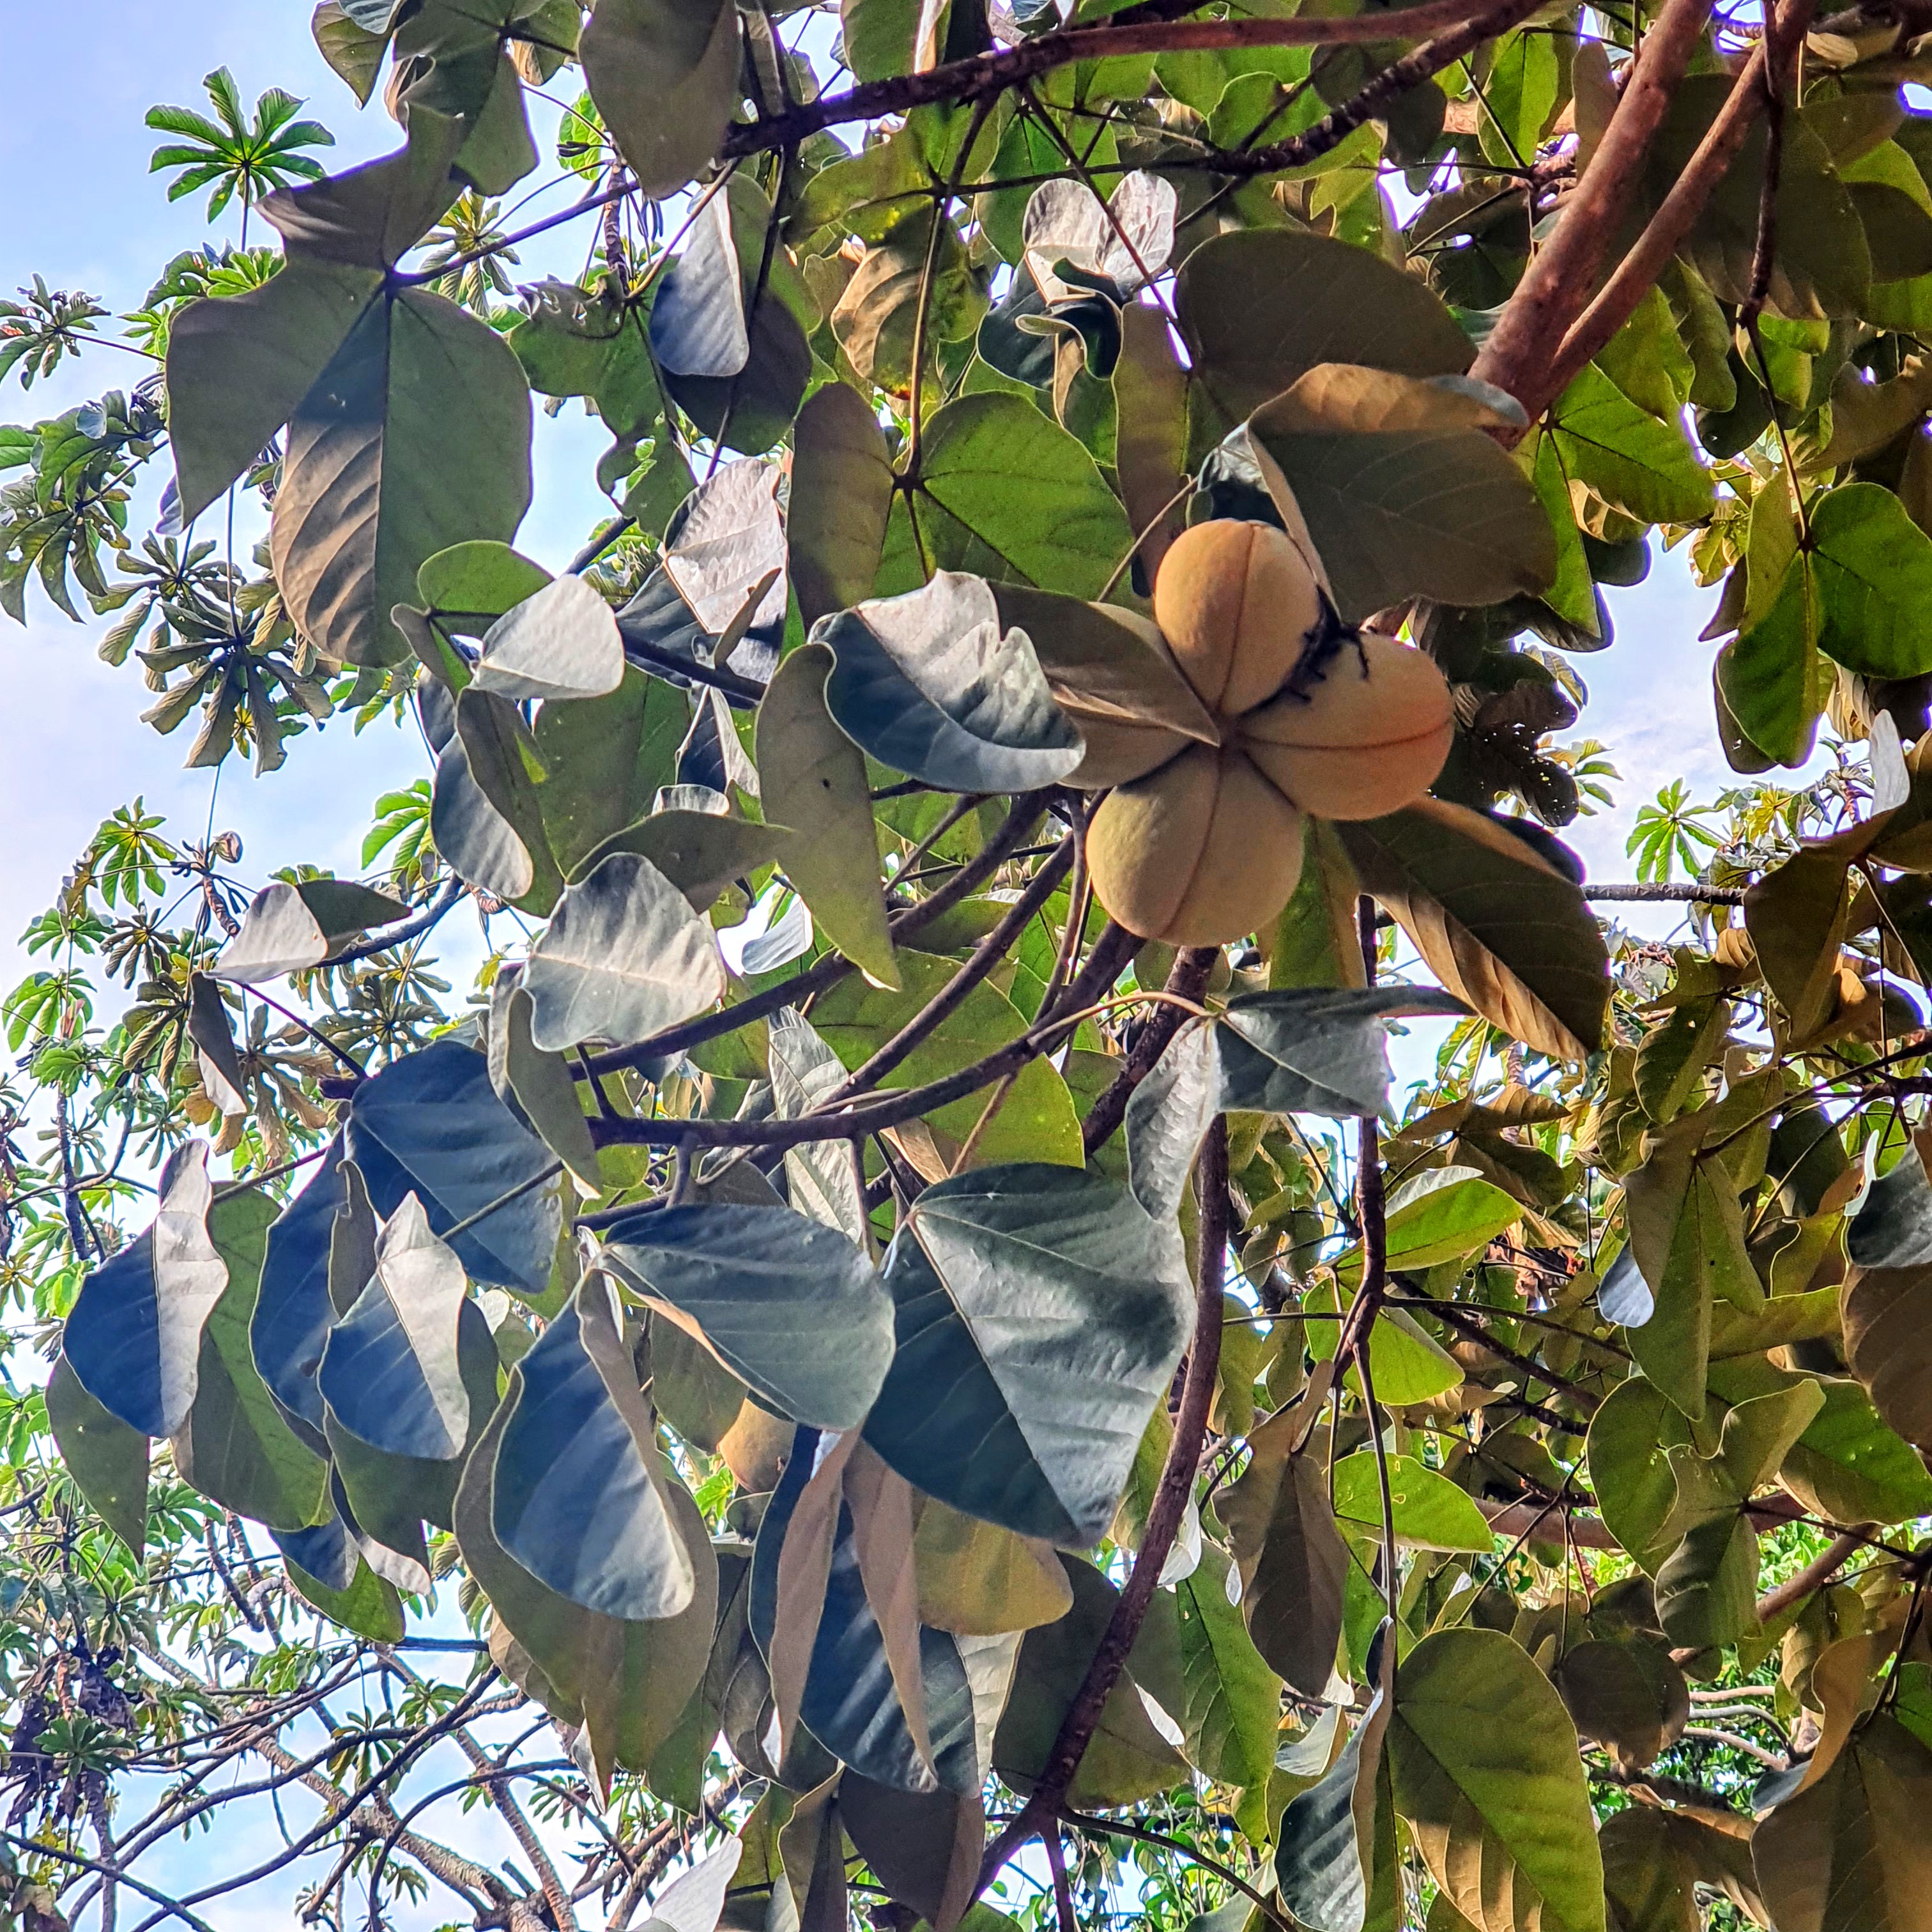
(1689, 894)
(1562, 274)
(1187, 980)
(1819, 1571)
(453, 889)
(1152, 29)
(1026, 812)
(1637, 272)
(1394, 80)
(1102, 968)
(985, 956)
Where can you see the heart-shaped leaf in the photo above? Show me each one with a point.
(575, 1498)
(1040, 1316)
(623, 957)
(787, 1304)
(133, 1340)
(390, 1373)
(431, 1124)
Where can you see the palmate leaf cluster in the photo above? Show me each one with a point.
(880, 1355)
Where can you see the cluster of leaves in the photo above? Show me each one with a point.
(783, 1340)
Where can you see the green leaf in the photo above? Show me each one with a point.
(1572, 592)
(1039, 1316)
(1519, 93)
(1625, 1693)
(787, 1304)
(1630, 1471)
(107, 1459)
(1335, 1851)
(1849, 1465)
(1822, 266)
(607, 758)
(1258, 309)
(415, 437)
(1234, 1699)
(623, 957)
(1646, 359)
(630, 1681)
(811, 777)
(239, 366)
(855, 1020)
(133, 1341)
(1291, 1559)
(1431, 1512)
(234, 1445)
(1707, 1587)
(293, 1313)
(1317, 1050)
(1848, 1853)
(561, 642)
(1771, 677)
(470, 585)
(1404, 491)
(1003, 492)
(390, 1371)
(1687, 1233)
(1635, 462)
(1796, 915)
(1129, 1758)
(1487, 1775)
(934, 684)
(1496, 924)
(431, 1124)
(1653, 1860)
(663, 74)
(1446, 1214)
(541, 1086)
(575, 1496)
(1407, 1362)
(367, 1605)
(842, 495)
(1873, 567)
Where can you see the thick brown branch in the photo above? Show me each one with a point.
(1561, 275)
(1639, 270)
(1819, 1571)
(1171, 1496)
(1148, 30)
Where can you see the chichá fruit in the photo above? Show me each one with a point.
(1199, 853)
(1201, 843)
(1237, 603)
(1369, 736)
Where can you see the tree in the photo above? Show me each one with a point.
(990, 1364)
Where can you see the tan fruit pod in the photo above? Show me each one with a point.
(1369, 738)
(1199, 853)
(1236, 602)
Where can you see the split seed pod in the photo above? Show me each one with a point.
(1202, 843)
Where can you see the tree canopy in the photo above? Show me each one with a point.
(904, 1313)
